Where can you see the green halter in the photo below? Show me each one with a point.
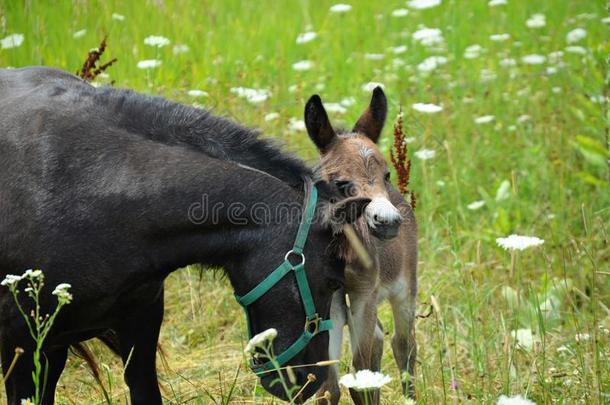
(313, 323)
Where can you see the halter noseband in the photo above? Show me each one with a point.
(314, 324)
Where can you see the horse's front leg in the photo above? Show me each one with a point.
(138, 334)
(366, 340)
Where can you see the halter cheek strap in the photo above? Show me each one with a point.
(314, 324)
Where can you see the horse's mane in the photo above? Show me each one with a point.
(161, 120)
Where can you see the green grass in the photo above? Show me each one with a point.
(553, 161)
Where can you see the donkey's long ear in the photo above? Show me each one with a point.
(318, 126)
(347, 211)
(371, 121)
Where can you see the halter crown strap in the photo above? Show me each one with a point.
(313, 323)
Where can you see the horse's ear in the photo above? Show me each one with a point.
(372, 119)
(318, 126)
(340, 210)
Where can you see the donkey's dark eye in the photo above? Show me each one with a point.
(345, 187)
(387, 176)
(334, 285)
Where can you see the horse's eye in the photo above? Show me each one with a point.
(334, 284)
(345, 187)
(387, 176)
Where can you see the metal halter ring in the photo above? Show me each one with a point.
(291, 251)
(315, 322)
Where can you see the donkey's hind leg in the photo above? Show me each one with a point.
(404, 345)
(338, 315)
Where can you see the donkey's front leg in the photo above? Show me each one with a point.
(366, 340)
(404, 345)
(338, 314)
(138, 335)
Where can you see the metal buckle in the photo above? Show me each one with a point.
(292, 252)
(315, 322)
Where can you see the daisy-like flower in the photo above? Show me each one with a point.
(514, 400)
(425, 154)
(370, 86)
(427, 108)
(475, 205)
(10, 279)
(61, 291)
(302, 65)
(251, 95)
(149, 64)
(524, 337)
(536, 21)
(156, 40)
(484, 119)
(260, 340)
(519, 242)
(576, 35)
(423, 4)
(11, 41)
(197, 93)
(499, 37)
(400, 12)
(494, 3)
(428, 36)
(365, 380)
(533, 59)
(79, 34)
(340, 8)
(306, 37)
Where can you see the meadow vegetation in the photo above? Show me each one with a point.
(506, 114)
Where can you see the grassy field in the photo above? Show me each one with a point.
(526, 135)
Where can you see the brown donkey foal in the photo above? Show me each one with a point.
(352, 161)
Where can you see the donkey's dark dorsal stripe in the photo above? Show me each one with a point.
(108, 190)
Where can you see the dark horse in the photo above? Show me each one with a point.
(97, 189)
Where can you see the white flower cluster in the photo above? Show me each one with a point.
(365, 380)
(156, 40)
(260, 339)
(518, 242)
(252, 95)
(62, 294)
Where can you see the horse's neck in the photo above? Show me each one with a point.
(202, 210)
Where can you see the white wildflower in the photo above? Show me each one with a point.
(427, 108)
(251, 95)
(374, 56)
(576, 35)
(61, 291)
(551, 70)
(475, 205)
(272, 116)
(514, 400)
(32, 274)
(555, 57)
(149, 64)
(302, 65)
(499, 37)
(518, 242)
(10, 279)
(428, 36)
(524, 338)
(523, 118)
(484, 119)
(364, 380)
(11, 41)
(488, 75)
(563, 349)
(180, 48)
(508, 62)
(431, 63)
(536, 21)
(260, 339)
(533, 59)
(606, 20)
(350, 101)
(425, 154)
(473, 51)
(423, 4)
(296, 125)
(306, 37)
(335, 108)
(582, 337)
(156, 40)
(79, 34)
(397, 50)
(494, 3)
(370, 86)
(400, 12)
(197, 93)
(579, 50)
(340, 8)
(118, 17)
